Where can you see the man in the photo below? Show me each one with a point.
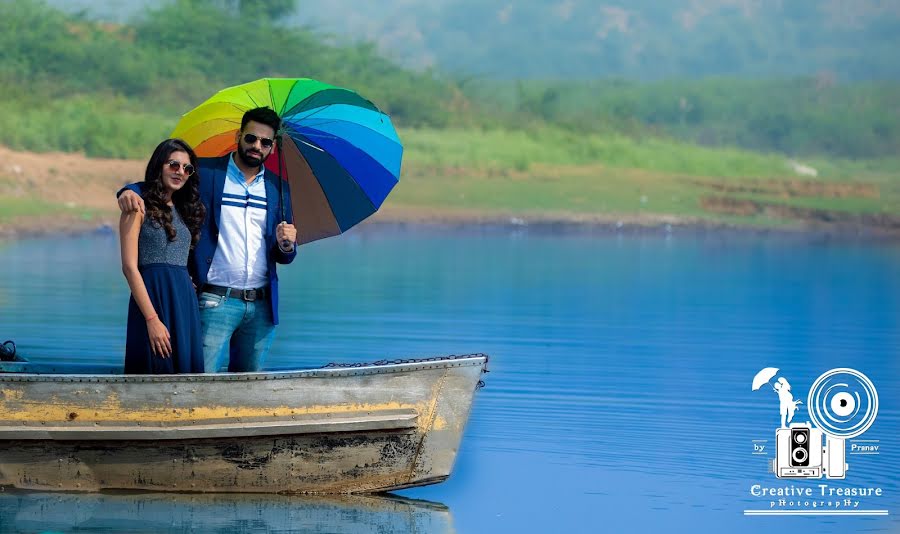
(243, 237)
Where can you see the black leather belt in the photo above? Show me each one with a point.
(248, 295)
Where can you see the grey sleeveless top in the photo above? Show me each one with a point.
(154, 245)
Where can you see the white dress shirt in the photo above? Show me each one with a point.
(240, 258)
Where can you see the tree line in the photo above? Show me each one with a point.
(71, 83)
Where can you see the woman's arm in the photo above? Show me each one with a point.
(129, 231)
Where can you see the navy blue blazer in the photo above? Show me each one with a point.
(211, 174)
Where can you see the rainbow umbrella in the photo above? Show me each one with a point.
(340, 154)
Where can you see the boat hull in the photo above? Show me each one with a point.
(336, 430)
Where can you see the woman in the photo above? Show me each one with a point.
(163, 317)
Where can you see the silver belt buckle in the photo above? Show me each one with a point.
(249, 295)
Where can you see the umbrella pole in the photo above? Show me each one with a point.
(281, 175)
(282, 169)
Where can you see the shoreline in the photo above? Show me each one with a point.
(403, 219)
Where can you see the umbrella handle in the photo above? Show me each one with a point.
(284, 244)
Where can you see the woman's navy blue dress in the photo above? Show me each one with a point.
(163, 266)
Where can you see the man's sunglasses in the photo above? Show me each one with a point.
(175, 165)
(264, 141)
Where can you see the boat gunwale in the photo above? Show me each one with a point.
(319, 372)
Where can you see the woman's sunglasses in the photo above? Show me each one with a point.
(175, 165)
(264, 141)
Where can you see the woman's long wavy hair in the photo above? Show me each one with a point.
(186, 199)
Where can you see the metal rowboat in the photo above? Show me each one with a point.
(341, 429)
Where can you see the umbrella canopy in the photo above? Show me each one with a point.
(763, 377)
(340, 154)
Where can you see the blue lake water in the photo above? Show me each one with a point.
(619, 397)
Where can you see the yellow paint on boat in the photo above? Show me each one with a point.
(11, 394)
(439, 423)
(14, 408)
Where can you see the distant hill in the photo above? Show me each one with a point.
(643, 39)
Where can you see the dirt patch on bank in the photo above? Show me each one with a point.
(732, 199)
(80, 190)
(725, 205)
(793, 188)
(68, 179)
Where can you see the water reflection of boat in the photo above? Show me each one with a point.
(349, 429)
(173, 512)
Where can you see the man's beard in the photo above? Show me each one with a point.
(251, 160)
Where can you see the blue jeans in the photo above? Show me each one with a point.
(235, 332)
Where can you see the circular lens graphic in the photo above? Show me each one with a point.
(843, 403)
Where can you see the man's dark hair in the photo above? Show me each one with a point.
(263, 116)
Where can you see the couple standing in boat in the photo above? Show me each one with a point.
(199, 240)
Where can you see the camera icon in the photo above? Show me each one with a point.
(799, 453)
(842, 404)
